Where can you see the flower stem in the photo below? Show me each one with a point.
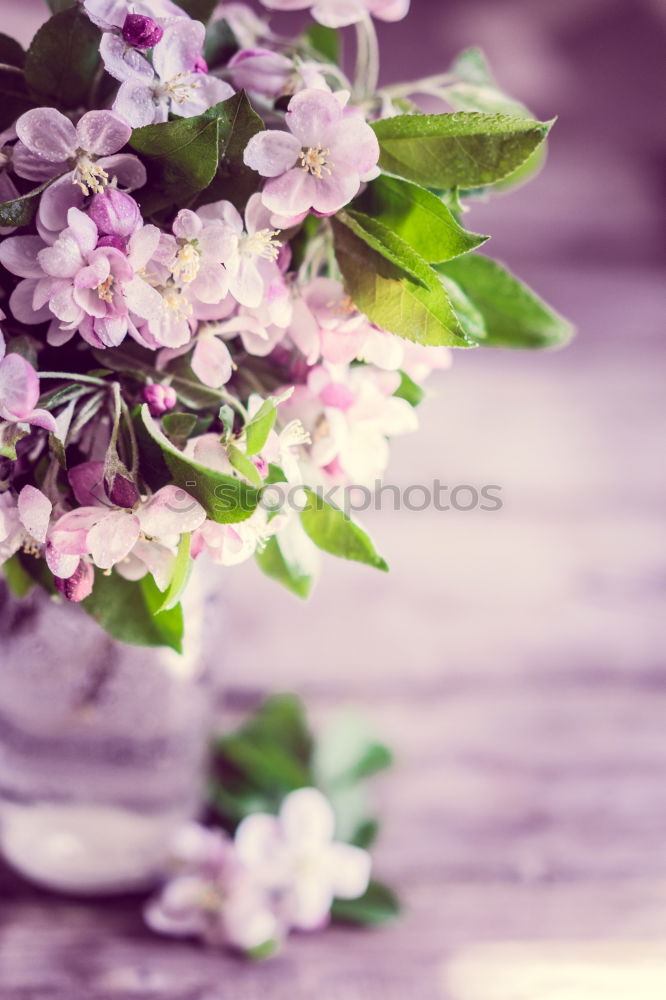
(367, 59)
(71, 377)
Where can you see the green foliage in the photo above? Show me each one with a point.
(199, 10)
(379, 905)
(332, 531)
(225, 499)
(419, 217)
(220, 43)
(129, 611)
(392, 284)
(324, 42)
(63, 59)
(18, 579)
(181, 157)
(513, 315)
(244, 465)
(11, 53)
(258, 429)
(21, 211)
(181, 574)
(464, 150)
(409, 390)
(234, 181)
(201, 156)
(276, 565)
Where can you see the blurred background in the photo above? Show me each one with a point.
(513, 658)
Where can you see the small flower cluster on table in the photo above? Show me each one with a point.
(278, 874)
(226, 267)
(289, 846)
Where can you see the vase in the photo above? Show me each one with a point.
(102, 744)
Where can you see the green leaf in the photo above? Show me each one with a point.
(409, 390)
(220, 43)
(468, 315)
(416, 308)
(18, 579)
(181, 157)
(257, 431)
(378, 905)
(198, 10)
(225, 499)
(274, 564)
(235, 182)
(21, 211)
(459, 150)
(332, 531)
(179, 426)
(324, 42)
(57, 5)
(11, 52)
(419, 217)
(513, 315)
(181, 573)
(128, 610)
(63, 59)
(365, 834)
(241, 463)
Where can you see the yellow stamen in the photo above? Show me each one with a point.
(261, 244)
(186, 265)
(89, 176)
(105, 289)
(179, 90)
(315, 160)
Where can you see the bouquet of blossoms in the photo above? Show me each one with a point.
(227, 267)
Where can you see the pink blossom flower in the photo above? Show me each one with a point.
(79, 585)
(175, 82)
(349, 415)
(50, 145)
(338, 13)
(251, 252)
(85, 286)
(212, 895)
(109, 14)
(294, 856)
(109, 535)
(320, 163)
(19, 392)
(272, 74)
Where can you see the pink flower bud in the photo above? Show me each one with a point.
(117, 242)
(115, 213)
(160, 398)
(79, 585)
(141, 32)
(123, 493)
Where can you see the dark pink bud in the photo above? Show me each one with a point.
(117, 242)
(200, 65)
(123, 493)
(160, 398)
(141, 32)
(115, 213)
(79, 585)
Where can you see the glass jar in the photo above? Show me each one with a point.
(102, 745)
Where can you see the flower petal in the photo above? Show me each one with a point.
(19, 387)
(310, 114)
(47, 133)
(307, 818)
(21, 303)
(121, 61)
(19, 255)
(179, 48)
(291, 193)
(135, 103)
(102, 133)
(171, 511)
(35, 512)
(211, 361)
(349, 869)
(112, 538)
(56, 202)
(271, 153)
